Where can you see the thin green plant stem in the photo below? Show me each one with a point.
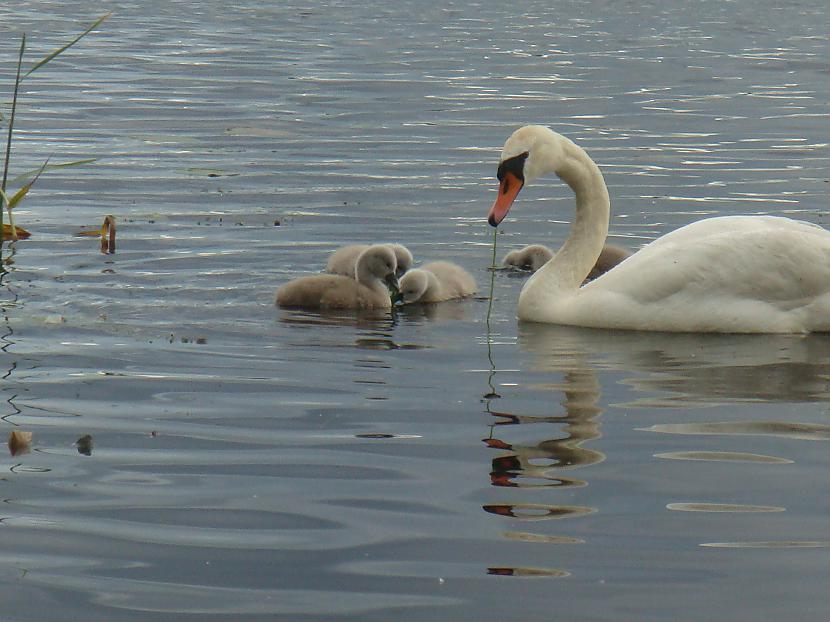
(11, 126)
(492, 278)
(492, 393)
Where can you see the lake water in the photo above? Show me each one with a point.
(254, 463)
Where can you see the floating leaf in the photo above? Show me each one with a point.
(88, 233)
(19, 442)
(107, 233)
(22, 234)
(60, 50)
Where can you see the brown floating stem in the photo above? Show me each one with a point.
(108, 235)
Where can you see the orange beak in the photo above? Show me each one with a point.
(508, 191)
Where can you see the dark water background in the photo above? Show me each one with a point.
(258, 464)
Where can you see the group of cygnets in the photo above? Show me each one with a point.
(360, 276)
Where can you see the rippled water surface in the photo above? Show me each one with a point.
(255, 463)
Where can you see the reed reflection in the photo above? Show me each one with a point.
(540, 464)
(10, 301)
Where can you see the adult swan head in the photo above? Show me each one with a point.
(730, 274)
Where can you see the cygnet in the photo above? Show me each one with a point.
(343, 260)
(374, 270)
(435, 282)
(535, 256)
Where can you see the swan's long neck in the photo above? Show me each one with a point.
(571, 265)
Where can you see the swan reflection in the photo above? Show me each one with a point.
(573, 363)
(544, 463)
(692, 367)
(538, 464)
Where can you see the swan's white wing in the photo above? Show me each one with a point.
(741, 272)
(766, 258)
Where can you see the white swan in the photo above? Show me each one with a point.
(743, 274)
(436, 281)
(375, 268)
(535, 256)
(344, 259)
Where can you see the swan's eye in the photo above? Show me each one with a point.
(515, 165)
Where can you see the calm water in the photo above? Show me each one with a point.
(259, 464)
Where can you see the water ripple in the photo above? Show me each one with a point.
(800, 431)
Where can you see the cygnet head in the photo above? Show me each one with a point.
(414, 285)
(530, 152)
(379, 262)
(404, 258)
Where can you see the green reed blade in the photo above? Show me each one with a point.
(28, 174)
(12, 202)
(11, 126)
(52, 55)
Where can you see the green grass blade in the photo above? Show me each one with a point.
(28, 174)
(12, 202)
(5, 199)
(52, 55)
(11, 127)
(11, 119)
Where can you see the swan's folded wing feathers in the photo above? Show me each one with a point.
(777, 261)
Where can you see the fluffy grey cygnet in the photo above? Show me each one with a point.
(530, 257)
(344, 259)
(374, 270)
(435, 282)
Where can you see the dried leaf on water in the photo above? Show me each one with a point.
(19, 442)
(22, 234)
(108, 234)
(106, 231)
